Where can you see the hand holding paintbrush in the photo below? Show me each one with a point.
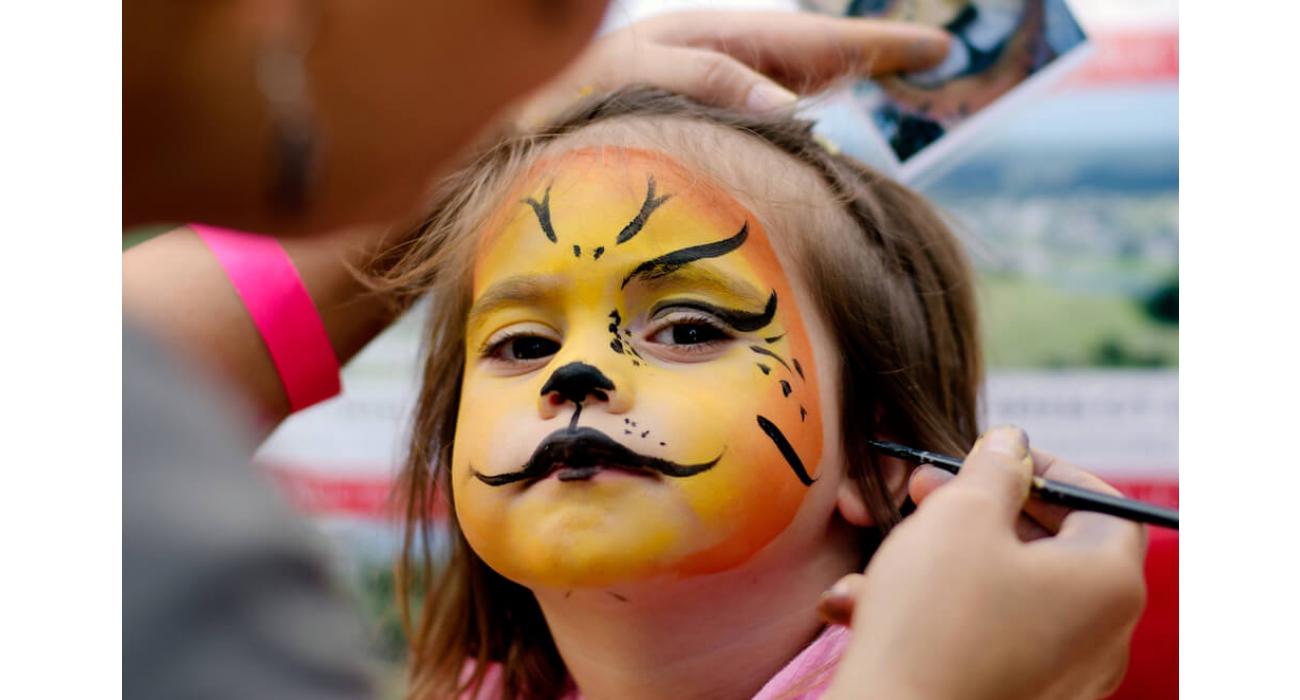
(963, 600)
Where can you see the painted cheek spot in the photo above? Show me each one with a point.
(764, 351)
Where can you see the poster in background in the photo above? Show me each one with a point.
(1002, 55)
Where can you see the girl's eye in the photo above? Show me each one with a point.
(689, 333)
(531, 347)
(522, 348)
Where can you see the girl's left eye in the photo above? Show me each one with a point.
(696, 332)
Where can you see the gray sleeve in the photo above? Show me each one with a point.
(225, 594)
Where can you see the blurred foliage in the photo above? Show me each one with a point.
(1028, 323)
(1162, 305)
(372, 587)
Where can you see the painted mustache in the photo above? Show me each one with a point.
(579, 454)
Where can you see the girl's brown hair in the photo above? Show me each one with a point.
(893, 288)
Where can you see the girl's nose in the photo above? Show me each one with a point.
(576, 381)
(582, 384)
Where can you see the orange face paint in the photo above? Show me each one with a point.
(619, 286)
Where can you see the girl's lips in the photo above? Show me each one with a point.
(565, 472)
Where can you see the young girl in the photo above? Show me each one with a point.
(664, 335)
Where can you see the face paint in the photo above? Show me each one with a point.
(634, 401)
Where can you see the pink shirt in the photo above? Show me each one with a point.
(804, 678)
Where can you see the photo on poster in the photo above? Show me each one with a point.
(1000, 52)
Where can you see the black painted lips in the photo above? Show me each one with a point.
(578, 454)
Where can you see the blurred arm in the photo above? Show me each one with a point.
(174, 286)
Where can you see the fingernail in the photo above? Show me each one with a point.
(936, 472)
(1008, 440)
(841, 588)
(835, 609)
(767, 97)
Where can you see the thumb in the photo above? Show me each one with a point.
(1000, 467)
(837, 603)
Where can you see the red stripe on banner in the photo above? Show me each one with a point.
(1162, 492)
(341, 495)
(1132, 56)
(327, 494)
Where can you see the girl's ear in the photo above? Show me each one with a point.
(853, 506)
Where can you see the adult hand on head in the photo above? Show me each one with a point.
(746, 60)
(980, 594)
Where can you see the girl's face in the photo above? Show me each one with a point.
(640, 393)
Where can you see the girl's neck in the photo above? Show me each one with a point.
(718, 636)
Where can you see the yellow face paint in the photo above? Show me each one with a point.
(639, 394)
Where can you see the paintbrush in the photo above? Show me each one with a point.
(1050, 491)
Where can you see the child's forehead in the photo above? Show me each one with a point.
(602, 208)
(597, 179)
(588, 193)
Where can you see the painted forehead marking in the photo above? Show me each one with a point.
(647, 208)
(650, 269)
(542, 210)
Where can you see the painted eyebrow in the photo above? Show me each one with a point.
(704, 277)
(512, 291)
(742, 321)
(670, 262)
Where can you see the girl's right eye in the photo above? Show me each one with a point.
(522, 347)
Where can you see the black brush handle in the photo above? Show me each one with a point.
(1085, 499)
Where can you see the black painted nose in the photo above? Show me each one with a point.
(576, 381)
